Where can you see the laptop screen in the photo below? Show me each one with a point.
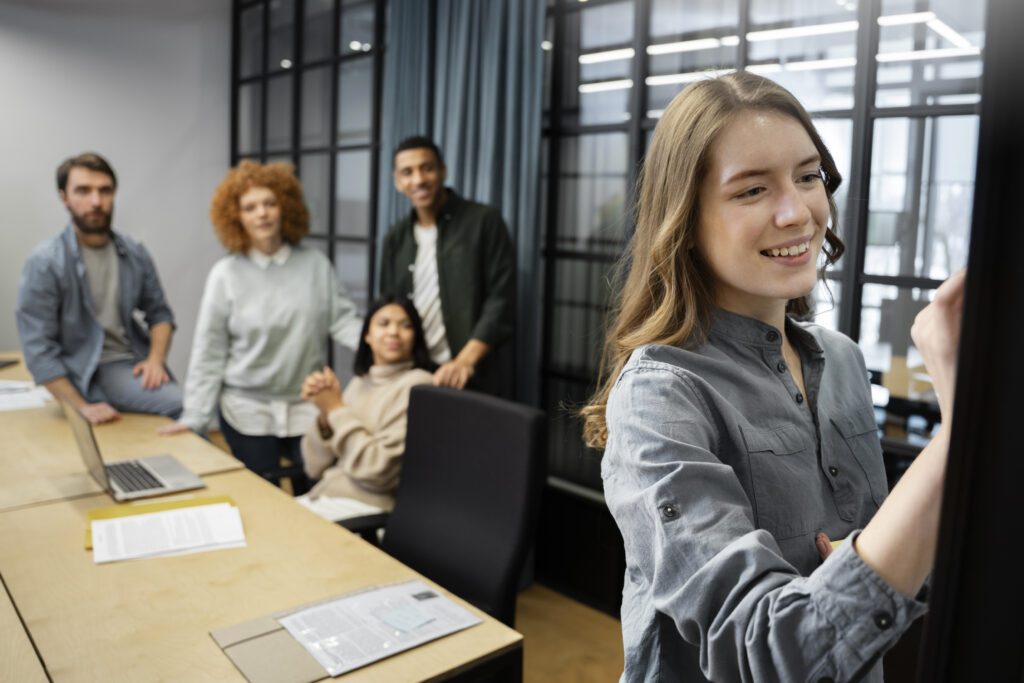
(86, 440)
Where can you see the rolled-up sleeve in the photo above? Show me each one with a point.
(152, 301)
(38, 319)
(693, 548)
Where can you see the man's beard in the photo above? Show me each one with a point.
(90, 224)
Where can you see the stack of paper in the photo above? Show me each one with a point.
(174, 531)
(15, 395)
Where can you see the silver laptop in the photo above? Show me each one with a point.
(129, 479)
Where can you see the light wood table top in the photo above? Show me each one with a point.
(18, 661)
(39, 461)
(150, 619)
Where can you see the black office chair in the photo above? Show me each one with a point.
(467, 504)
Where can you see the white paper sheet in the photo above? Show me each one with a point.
(358, 629)
(169, 532)
(336, 509)
(17, 395)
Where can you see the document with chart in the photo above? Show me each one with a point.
(354, 630)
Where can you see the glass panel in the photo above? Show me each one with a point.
(838, 137)
(356, 26)
(281, 54)
(351, 264)
(352, 194)
(809, 47)
(598, 64)
(546, 45)
(568, 458)
(689, 39)
(886, 316)
(250, 44)
(581, 295)
(316, 36)
(825, 301)
(593, 185)
(316, 107)
(355, 101)
(315, 171)
(921, 196)
(249, 118)
(279, 113)
(929, 52)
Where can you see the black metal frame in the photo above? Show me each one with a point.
(864, 114)
(296, 151)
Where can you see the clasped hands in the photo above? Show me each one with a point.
(322, 389)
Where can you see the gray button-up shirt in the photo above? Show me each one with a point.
(719, 473)
(60, 335)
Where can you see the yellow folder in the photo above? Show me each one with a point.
(115, 511)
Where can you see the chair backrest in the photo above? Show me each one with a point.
(467, 504)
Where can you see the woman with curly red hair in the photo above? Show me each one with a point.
(267, 310)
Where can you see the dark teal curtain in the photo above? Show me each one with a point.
(469, 74)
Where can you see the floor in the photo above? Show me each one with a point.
(564, 640)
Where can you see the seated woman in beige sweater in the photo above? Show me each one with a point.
(355, 446)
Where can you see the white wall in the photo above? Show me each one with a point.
(146, 83)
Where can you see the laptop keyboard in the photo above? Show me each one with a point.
(131, 476)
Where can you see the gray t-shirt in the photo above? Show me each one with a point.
(102, 271)
(720, 472)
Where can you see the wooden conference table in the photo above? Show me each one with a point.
(150, 619)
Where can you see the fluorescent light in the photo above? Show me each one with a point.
(607, 56)
(655, 113)
(684, 46)
(903, 19)
(802, 31)
(689, 77)
(730, 41)
(944, 53)
(604, 86)
(947, 32)
(545, 45)
(809, 65)
(764, 68)
(817, 64)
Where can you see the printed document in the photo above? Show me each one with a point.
(357, 629)
(335, 509)
(17, 395)
(169, 532)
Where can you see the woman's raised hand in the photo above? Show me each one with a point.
(936, 334)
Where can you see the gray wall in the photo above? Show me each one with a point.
(147, 84)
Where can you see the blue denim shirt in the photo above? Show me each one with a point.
(720, 473)
(60, 335)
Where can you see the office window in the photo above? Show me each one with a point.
(306, 84)
(893, 88)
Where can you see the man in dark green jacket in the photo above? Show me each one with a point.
(453, 258)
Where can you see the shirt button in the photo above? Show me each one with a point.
(669, 511)
(799, 397)
(772, 335)
(833, 470)
(883, 620)
(781, 367)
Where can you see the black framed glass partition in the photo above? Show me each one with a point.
(306, 89)
(893, 86)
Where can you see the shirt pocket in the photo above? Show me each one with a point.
(782, 472)
(860, 434)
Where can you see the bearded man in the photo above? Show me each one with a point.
(78, 303)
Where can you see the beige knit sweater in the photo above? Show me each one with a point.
(362, 458)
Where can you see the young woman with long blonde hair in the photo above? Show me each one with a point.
(740, 443)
